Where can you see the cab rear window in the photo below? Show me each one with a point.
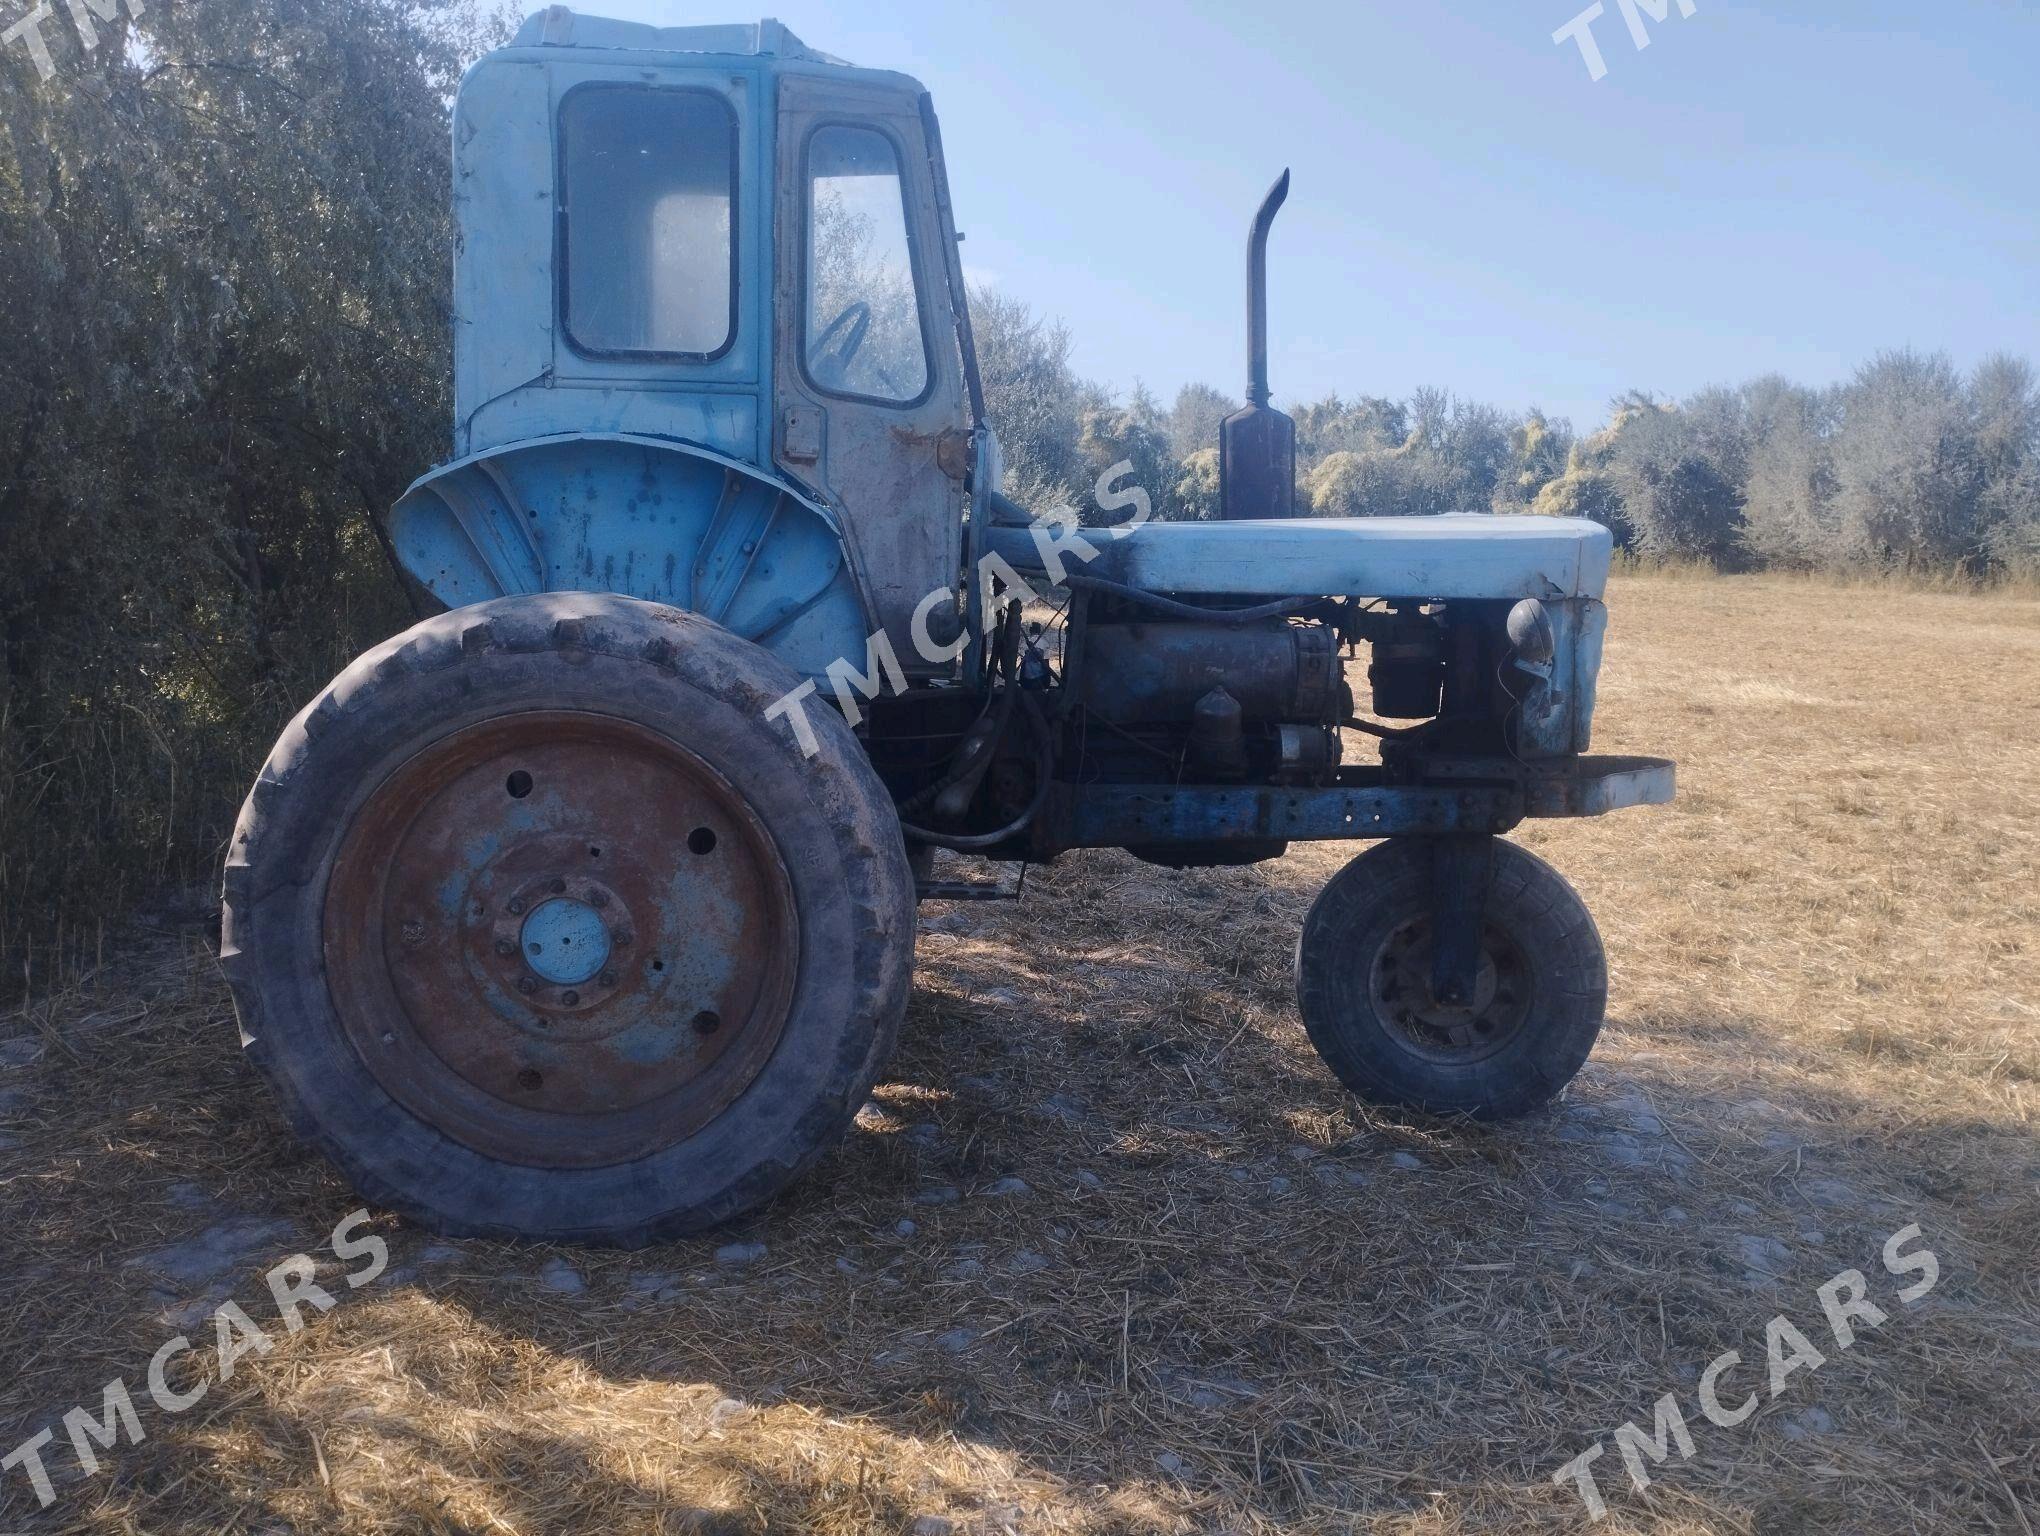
(648, 246)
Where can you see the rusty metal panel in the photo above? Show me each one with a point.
(562, 938)
(1119, 815)
(1157, 672)
(880, 465)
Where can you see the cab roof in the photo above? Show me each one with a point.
(559, 26)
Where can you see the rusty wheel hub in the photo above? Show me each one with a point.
(1457, 1034)
(561, 938)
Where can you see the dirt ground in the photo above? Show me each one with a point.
(1111, 1252)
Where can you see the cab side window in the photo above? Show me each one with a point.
(863, 314)
(647, 199)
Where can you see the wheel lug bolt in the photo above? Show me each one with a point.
(608, 978)
(571, 998)
(622, 936)
(516, 905)
(505, 948)
(526, 985)
(559, 887)
(597, 899)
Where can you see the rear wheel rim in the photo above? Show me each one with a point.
(561, 938)
(1399, 987)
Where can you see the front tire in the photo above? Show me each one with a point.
(1363, 986)
(541, 929)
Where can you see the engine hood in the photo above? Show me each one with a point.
(1455, 555)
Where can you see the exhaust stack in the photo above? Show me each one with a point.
(1257, 445)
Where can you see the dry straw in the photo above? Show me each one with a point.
(1221, 1296)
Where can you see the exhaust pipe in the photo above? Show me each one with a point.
(1257, 445)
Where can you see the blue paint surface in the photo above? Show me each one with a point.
(668, 522)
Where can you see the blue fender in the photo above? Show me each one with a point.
(648, 517)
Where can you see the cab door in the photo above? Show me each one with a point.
(868, 387)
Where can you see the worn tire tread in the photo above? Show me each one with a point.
(878, 885)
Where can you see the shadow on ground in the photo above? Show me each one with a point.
(1108, 1251)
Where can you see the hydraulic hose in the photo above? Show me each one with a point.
(1005, 665)
(1044, 765)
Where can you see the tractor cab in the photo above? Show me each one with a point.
(717, 237)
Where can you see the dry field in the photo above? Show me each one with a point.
(1111, 1252)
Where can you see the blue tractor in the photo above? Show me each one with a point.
(584, 909)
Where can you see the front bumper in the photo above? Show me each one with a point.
(1594, 786)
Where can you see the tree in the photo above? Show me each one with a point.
(2007, 414)
(1538, 450)
(1131, 434)
(1035, 401)
(1469, 443)
(1449, 458)
(1369, 425)
(1193, 420)
(2005, 407)
(225, 232)
(1680, 474)
(1789, 514)
(1398, 482)
(1588, 488)
(1197, 489)
(1909, 476)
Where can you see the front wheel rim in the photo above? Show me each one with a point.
(1399, 989)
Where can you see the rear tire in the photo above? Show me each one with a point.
(435, 833)
(1362, 981)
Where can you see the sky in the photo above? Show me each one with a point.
(1788, 186)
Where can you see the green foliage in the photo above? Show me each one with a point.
(1131, 435)
(1197, 498)
(1588, 487)
(1035, 401)
(1586, 491)
(1193, 420)
(1538, 450)
(225, 342)
(1789, 517)
(1391, 482)
(1680, 473)
(1908, 467)
(1450, 457)
(1328, 426)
